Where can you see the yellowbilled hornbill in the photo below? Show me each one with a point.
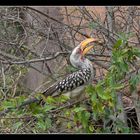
(75, 83)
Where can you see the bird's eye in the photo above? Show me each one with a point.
(79, 51)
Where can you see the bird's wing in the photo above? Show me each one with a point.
(71, 82)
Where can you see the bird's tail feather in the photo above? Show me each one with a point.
(49, 91)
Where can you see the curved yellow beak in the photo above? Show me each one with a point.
(84, 44)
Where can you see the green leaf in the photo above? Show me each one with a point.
(84, 118)
(124, 67)
(48, 122)
(94, 98)
(44, 124)
(118, 86)
(48, 107)
(99, 89)
(50, 100)
(8, 104)
(107, 94)
(100, 108)
(69, 125)
(39, 115)
(41, 124)
(91, 128)
(90, 89)
(62, 98)
(134, 80)
(78, 109)
(19, 99)
(36, 109)
(136, 52)
(67, 113)
(103, 94)
(111, 104)
(118, 43)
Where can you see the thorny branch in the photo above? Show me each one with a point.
(35, 60)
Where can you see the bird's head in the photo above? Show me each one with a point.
(77, 57)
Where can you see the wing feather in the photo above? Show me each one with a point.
(71, 82)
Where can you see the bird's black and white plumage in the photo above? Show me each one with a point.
(72, 85)
(75, 83)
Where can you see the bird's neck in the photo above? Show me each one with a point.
(79, 61)
(82, 64)
(86, 64)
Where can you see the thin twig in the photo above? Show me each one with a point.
(35, 60)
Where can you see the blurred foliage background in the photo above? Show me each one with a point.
(35, 44)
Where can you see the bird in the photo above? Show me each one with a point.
(74, 84)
